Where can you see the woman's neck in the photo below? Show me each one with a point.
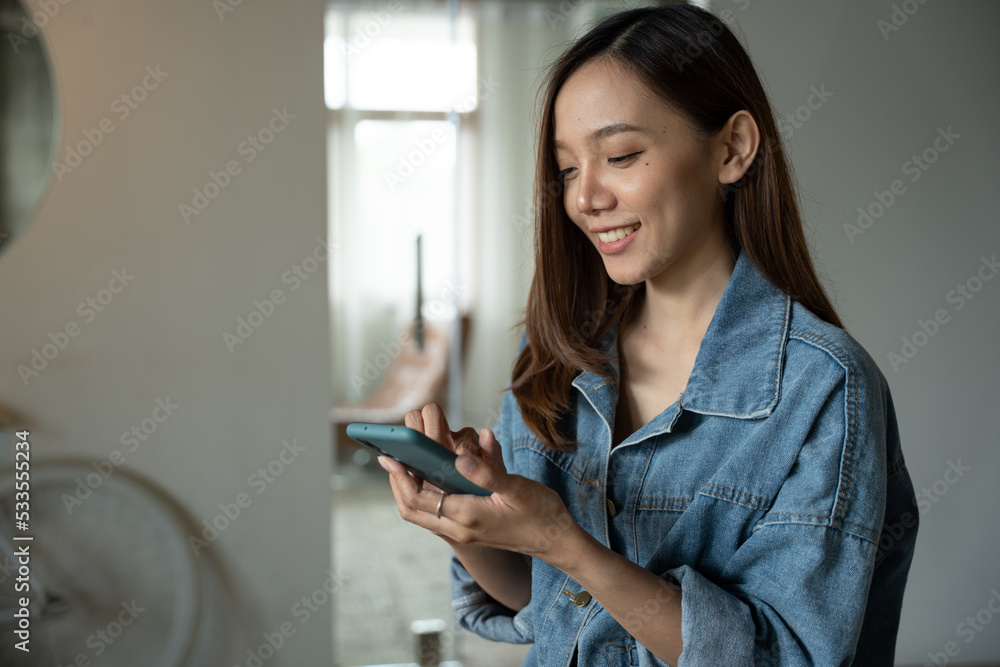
(680, 301)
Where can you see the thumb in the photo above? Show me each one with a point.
(480, 473)
(490, 449)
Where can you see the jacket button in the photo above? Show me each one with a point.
(581, 599)
(611, 507)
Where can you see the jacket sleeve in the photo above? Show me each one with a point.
(796, 591)
(477, 612)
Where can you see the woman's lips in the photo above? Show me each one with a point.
(609, 243)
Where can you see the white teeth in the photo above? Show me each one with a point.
(616, 234)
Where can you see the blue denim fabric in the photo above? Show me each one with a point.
(773, 492)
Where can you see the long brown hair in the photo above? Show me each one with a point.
(691, 59)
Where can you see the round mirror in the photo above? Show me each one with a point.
(27, 114)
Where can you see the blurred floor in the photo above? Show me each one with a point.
(393, 573)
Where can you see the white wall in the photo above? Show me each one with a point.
(889, 99)
(162, 335)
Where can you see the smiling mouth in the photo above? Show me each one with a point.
(616, 234)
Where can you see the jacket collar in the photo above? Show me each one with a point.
(737, 372)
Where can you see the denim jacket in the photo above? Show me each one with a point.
(773, 492)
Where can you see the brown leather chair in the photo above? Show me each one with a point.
(413, 379)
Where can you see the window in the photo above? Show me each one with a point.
(402, 95)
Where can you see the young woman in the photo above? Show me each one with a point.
(702, 467)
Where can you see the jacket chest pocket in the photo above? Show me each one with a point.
(621, 653)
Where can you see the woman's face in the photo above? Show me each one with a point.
(640, 181)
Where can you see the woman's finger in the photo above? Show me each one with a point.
(414, 419)
(466, 441)
(399, 478)
(411, 494)
(435, 424)
(490, 448)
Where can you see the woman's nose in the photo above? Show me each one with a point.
(592, 193)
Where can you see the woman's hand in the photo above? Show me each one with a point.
(521, 515)
(432, 422)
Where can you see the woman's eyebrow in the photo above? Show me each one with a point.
(603, 133)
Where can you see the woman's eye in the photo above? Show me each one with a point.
(624, 158)
(564, 173)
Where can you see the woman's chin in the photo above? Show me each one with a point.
(625, 276)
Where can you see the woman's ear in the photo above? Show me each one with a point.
(738, 142)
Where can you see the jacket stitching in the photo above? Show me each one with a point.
(635, 508)
(555, 601)
(822, 516)
(612, 646)
(602, 384)
(838, 353)
(867, 536)
(545, 452)
(664, 507)
(735, 500)
(740, 493)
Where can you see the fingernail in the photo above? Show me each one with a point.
(382, 463)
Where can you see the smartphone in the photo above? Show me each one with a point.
(419, 454)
